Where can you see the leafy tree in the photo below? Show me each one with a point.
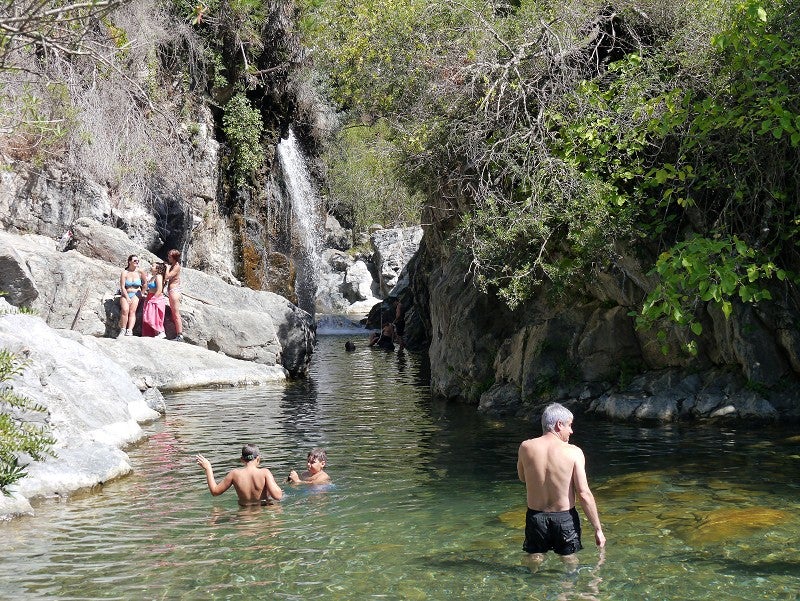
(556, 132)
(363, 181)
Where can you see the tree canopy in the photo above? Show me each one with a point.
(548, 134)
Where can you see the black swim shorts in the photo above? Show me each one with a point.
(556, 530)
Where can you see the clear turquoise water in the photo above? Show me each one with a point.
(425, 504)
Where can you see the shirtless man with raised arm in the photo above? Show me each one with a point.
(255, 486)
(554, 473)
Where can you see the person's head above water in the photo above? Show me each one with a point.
(250, 452)
(554, 413)
(319, 455)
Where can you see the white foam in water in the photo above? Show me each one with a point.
(339, 325)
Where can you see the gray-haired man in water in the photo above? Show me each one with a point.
(554, 472)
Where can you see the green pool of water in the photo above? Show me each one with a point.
(425, 504)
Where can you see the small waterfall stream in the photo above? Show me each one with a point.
(306, 224)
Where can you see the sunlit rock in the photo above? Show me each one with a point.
(726, 524)
(515, 518)
(92, 407)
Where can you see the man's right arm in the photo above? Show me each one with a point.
(520, 466)
(214, 488)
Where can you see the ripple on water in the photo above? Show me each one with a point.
(425, 504)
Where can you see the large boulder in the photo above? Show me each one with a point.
(345, 284)
(80, 293)
(247, 324)
(17, 282)
(393, 249)
(91, 404)
(108, 244)
(336, 236)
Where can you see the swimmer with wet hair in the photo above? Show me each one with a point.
(315, 474)
(253, 485)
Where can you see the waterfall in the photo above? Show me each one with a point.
(306, 226)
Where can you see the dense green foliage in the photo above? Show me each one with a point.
(561, 131)
(17, 434)
(362, 180)
(242, 126)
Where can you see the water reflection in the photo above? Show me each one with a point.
(425, 504)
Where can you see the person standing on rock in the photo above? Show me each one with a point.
(173, 277)
(154, 305)
(130, 288)
(554, 473)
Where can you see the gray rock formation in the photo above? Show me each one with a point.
(19, 287)
(394, 248)
(345, 285)
(336, 236)
(356, 284)
(166, 366)
(586, 350)
(78, 292)
(93, 408)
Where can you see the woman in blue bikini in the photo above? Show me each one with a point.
(130, 286)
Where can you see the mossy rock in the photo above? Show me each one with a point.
(514, 518)
(631, 484)
(722, 525)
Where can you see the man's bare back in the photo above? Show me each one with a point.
(548, 465)
(554, 473)
(253, 485)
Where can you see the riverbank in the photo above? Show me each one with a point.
(97, 392)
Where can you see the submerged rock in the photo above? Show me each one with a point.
(514, 518)
(722, 525)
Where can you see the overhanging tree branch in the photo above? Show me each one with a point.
(48, 27)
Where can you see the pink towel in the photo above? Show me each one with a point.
(153, 315)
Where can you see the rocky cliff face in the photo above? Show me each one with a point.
(586, 351)
(77, 290)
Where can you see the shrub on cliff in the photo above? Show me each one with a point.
(19, 432)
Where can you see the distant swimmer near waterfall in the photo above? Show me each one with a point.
(254, 485)
(554, 472)
(384, 339)
(349, 346)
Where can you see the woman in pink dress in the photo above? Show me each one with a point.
(154, 305)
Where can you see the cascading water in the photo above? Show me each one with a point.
(306, 225)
